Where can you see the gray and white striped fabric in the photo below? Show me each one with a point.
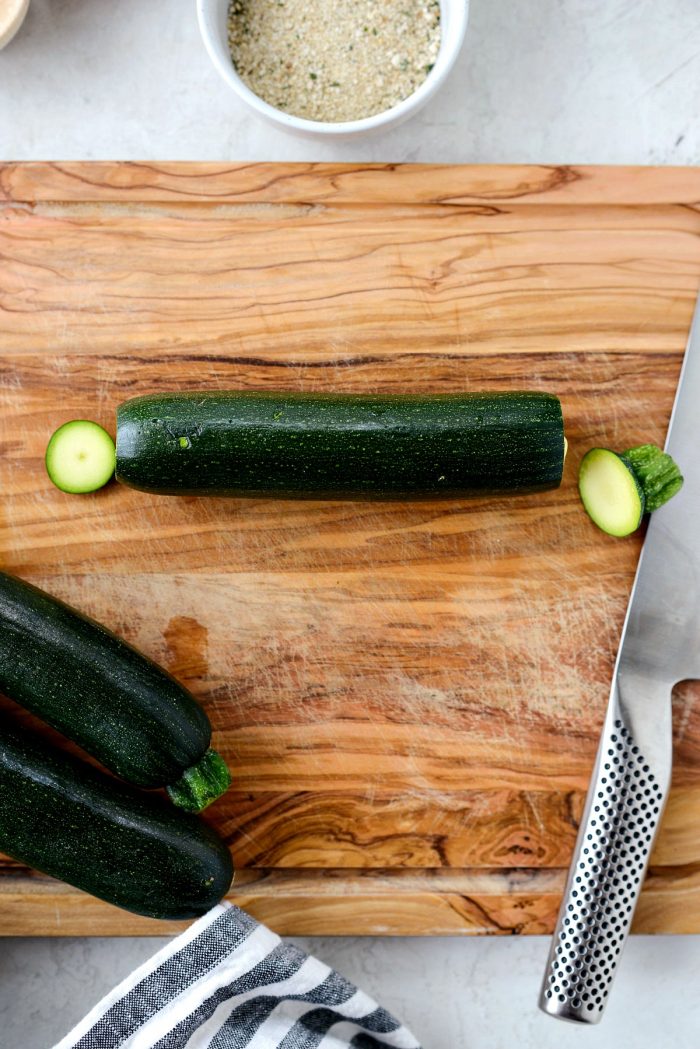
(229, 982)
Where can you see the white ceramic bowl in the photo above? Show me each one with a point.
(11, 20)
(213, 17)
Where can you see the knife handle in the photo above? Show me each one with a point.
(623, 808)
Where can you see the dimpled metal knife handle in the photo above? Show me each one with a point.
(623, 808)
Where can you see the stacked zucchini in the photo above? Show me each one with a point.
(70, 819)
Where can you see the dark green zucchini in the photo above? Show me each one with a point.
(333, 445)
(76, 823)
(99, 691)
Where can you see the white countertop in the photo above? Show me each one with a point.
(602, 81)
(598, 81)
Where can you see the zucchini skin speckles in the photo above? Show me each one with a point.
(337, 446)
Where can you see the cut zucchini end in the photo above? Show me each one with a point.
(201, 784)
(610, 492)
(80, 457)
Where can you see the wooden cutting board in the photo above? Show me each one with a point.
(410, 695)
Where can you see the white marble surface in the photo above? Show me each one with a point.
(607, 81)
(454, 994)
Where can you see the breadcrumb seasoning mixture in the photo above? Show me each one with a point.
(334, 60)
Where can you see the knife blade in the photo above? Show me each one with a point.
(660, 646)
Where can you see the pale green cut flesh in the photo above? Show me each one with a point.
(610, 492)
(80, 457)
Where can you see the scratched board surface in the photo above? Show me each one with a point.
(409, 695)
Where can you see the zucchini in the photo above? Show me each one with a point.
(74, 822)
(610, 492)
(80, 457)
(618, 488)
(333, 445)
(92, 686)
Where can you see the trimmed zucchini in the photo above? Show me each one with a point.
(610, 492)
(333, 445)
(657, 473)
(76, 823)
(99, 691)
(80, 457)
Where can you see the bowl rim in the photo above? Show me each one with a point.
(450, 50)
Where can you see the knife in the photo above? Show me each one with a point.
(660, 646)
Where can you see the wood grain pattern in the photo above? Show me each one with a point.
(409, 695)
(387, 902)
(390, 184)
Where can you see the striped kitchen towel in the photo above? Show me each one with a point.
(229, 982)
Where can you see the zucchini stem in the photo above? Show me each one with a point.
(657, 473)
(201, 784)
